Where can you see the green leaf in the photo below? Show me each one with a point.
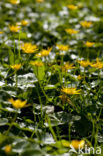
(3, 121)
(2, 138)
(21, 35)
(50, 87)
(11, 57)
(32, 152)
(39, 72)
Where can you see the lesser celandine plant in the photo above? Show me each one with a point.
(51, 85)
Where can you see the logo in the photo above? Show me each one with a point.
(72, 150)
(85, 150)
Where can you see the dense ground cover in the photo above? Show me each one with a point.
(51, 77)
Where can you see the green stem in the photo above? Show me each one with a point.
(51, 129)
(19, 47)
(16, 84)
(11, 125)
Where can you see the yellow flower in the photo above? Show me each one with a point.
(67, 66)
(16, 66)
(89, 44)
(79, 77)
(24, 22)
(14, 1)
(77, 144)
(17, 103)
(29, 48)
(74, 143)
(37, 63)
(1, 32)
(44, 52)
(72, 7)
(98, 64)
(86, 24)
(70, 91)
(7, 149)
(39, 1)
(62, 47)
(84, 63)
(14, 28)
(71, 31)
